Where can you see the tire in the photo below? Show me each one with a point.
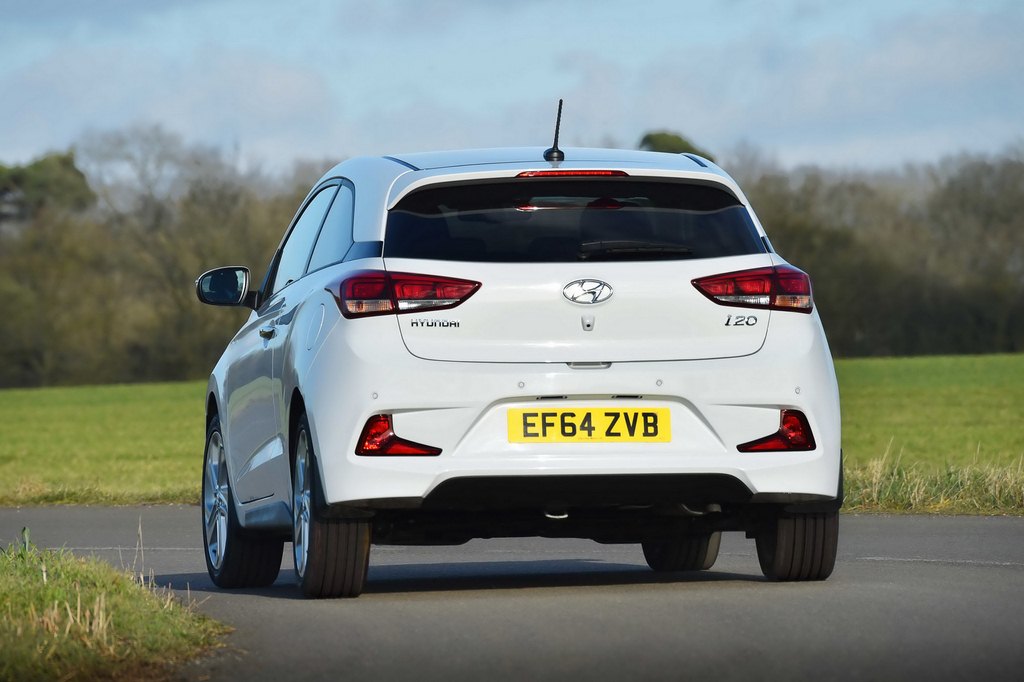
(687, 552)
(234, 557)
(799, 547)
(331, 555)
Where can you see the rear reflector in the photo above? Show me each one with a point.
(573, 174)
(777, 288)
(378, 438)
(794, 434)
(376, 292)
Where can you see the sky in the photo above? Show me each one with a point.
(862, 84)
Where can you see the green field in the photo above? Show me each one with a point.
(102, 444)
(937, 419)
(934, 411)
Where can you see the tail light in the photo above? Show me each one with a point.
(777, 288)
(376, 292)
(568, 173)
(378, 438)
(794, 434)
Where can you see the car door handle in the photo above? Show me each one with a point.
(267, 332)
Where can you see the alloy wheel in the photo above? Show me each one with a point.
(301, 501)
(215, 501)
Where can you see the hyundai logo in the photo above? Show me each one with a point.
(587, 291)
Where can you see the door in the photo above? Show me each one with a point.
(257, 435)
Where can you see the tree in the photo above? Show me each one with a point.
(106, 294)
(52, 180)
(977, 217)
(672, 143)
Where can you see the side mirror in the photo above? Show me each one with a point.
(225, 286)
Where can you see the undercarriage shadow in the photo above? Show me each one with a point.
(504, 575)
(387, 579)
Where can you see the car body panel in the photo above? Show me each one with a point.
(252, 400)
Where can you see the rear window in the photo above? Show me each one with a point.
(555, 221)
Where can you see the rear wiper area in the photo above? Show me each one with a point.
(625, 249)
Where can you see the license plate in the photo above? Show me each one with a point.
(590, 425)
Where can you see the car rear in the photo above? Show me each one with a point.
(603, 349)
(595, 350)
(598, 344)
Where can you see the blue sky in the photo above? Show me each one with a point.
(857, 84)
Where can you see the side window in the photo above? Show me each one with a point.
(336, 234)
(296, 250)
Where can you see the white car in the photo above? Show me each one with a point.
(485, 343)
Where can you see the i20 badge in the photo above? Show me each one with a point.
(587, 291)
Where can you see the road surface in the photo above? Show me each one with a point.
(922, 598)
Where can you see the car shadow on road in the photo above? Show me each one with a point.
(474, 576)
(504, 575)
(199, 583)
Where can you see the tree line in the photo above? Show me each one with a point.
(99, 249)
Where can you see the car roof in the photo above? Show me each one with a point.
(520, 158)
(534, 156)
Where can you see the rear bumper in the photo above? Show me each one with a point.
(474, 493)
(462, 408)
(609, 509)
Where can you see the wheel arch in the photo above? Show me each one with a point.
(296, 408)
(212, 409)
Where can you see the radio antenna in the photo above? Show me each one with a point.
(554, 153)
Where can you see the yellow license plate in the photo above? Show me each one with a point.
(589, 425)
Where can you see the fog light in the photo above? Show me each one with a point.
(378, 438)
(794, 434)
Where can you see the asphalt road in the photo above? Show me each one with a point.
(922, 598)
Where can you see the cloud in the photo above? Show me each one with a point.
(267, 107)
(806, 80)
(906, 89)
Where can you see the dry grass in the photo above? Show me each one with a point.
(890, 485)
(64, 617)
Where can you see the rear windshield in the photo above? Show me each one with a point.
(556, 221)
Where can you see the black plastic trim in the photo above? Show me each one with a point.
(360, 250)
(504, 492)
(403, 163)
(696, 159)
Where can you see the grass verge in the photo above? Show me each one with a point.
(64, 617)
(881, 485)
(934, 434)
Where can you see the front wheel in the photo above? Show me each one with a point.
(796, 547)
(234, 558)
(331, 555)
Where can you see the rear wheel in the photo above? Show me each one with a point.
(685, 552)
(234, 558)
(799, 546)
(331, 555)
